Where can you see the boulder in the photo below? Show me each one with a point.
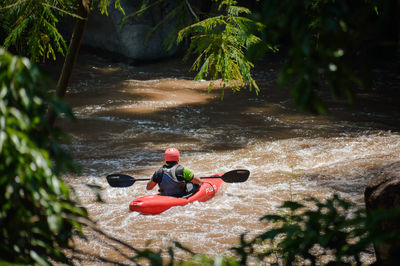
(383, 191)
(132, 40)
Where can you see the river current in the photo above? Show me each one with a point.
(128, 115)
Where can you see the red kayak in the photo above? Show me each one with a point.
(155, 204)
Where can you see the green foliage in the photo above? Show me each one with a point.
(103, 5)
(331, 231)
(37, 215)
(31, 29)
(221, 43)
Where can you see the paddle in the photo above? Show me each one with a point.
(234, 176)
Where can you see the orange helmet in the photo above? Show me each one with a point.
(171, 155)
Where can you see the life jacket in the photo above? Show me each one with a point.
(170, 185)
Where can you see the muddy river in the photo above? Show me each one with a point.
(128, 115)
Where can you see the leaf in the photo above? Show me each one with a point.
(96, 190)
(292, 205)
(34, 200)
(39, 259)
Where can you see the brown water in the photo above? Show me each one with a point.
(128, 115)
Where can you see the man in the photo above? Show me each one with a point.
(172, 178)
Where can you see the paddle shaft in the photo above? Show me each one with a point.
(122, 180)
(203, 177)
(148, 179)
(142, 179)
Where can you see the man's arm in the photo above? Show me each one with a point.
(189, 176)
(154, 179)
(150, 185)
(196, 180)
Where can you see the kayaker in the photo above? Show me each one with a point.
(172, 178)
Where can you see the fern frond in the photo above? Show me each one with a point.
(31, 28)
(204, 26)
(15, 33)
(226, 4)
(19, 2)
(103, 6)
(204, 70)
(57, 39)
(117, 5)
(222, 43)
(237, 10)
(64, 11)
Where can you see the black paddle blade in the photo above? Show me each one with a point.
(236, 176)
(120, 180)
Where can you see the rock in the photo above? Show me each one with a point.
(383, 191)
(132, 40)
